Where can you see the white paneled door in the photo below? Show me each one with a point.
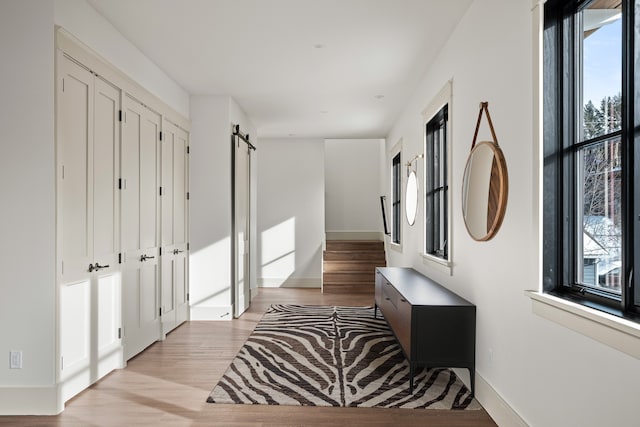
(140, 213)
(174, 231)
(88, 143)
(241, 218)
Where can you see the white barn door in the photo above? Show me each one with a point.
(241, 226)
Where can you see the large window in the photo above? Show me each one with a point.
(589, 165)
(396, 186)
(436, 186)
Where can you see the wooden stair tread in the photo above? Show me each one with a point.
(353, 257)
(339, 266)
(360, 245)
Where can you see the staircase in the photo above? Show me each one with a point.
(349, 266)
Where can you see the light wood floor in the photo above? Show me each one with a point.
(168, 384)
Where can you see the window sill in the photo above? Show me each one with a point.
(395, 246)
(616, 332)
(443, 265)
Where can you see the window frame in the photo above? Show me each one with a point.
(396, 197)
(436, 184)
(444, 97)
(561, 171)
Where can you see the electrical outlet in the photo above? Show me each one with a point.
(15, 360)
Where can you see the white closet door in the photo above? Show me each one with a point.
(87, 144)
(75, 170)
(106, 165)
(139, 226)
(106, 158)
(174, 226)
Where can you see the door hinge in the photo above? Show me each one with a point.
(160, 135)
(119, 333)
(161, 191)
(187, 195)
(119, 183)
(119, 115)
(62, 363)
(160, 251)
(160, 311)
(120, 258)
(187, 246)
(187, 296)
(188, 150)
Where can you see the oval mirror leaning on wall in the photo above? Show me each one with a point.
(411, 198)
(484, 190)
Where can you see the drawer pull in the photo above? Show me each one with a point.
(403, 300)
(388, 299)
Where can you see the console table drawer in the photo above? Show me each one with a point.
(397, 312)
(403, 328)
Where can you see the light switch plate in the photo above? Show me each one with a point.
(15, 360)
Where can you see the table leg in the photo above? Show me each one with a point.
(410, 377)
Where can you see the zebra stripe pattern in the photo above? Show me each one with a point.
(332, 356)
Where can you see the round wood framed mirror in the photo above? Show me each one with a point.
(411, 198)
(484, 190)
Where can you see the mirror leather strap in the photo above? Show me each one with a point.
(484, 106)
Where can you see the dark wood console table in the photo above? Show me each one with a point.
(434, 326)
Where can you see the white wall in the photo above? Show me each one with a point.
(352, 193)
(210, 198)
(549, 375)
(84, 22)
(27, 215)
(290, 212)
(210, 203)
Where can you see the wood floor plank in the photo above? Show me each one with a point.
(168, 384)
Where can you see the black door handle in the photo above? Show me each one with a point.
(144, 257)
(97, 267)
(177, 251)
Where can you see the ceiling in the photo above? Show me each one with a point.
(298, 68)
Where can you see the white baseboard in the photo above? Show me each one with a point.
(211, 313)
(501, 412)
(288, 282)
(354, 235)
(30, 401)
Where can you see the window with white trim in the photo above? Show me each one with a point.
(591, 212)
(436, 195)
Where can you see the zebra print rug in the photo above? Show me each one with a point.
(332, 356)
